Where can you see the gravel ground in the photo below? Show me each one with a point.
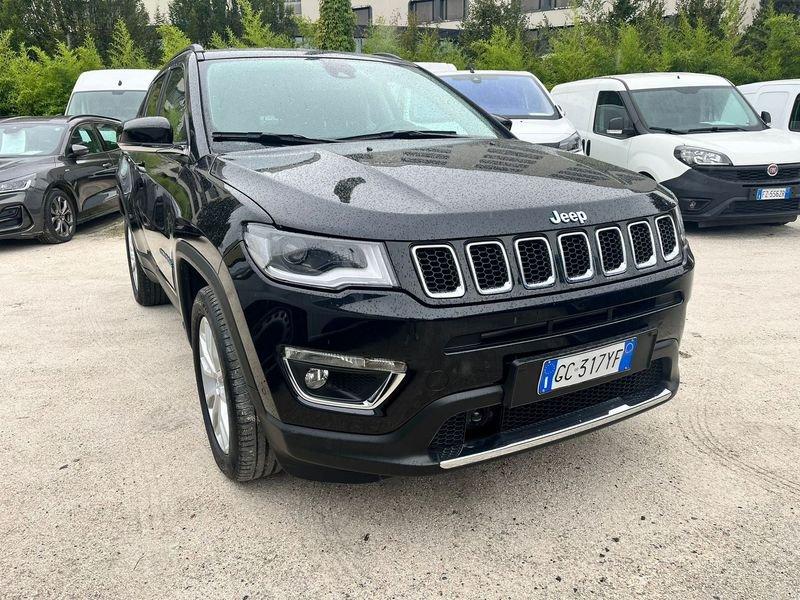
(109, 489)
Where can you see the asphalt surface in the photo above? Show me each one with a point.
(108, 488)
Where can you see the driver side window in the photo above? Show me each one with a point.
(83, 136)
(611, 118)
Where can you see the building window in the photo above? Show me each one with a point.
(422, 9)
(363, 15)
(454, 10)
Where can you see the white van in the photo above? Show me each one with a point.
(781, 99)
(115, 93)
(437, 68)
(520, 97)
(695, 134)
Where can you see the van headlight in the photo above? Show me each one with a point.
(16, 185)
(570, 144)
(319, 262)
(700, 157)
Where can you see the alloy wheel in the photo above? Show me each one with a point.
(62, 216)
(214, 385)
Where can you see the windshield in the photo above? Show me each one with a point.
(513, 96)
(30, 139)
(117, 104)
(331, 98)
(687, 109)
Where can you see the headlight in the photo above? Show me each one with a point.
(16, 185)
(701, 157)
(571, 144)
(319, 262)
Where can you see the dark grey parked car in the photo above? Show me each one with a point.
(56, 172)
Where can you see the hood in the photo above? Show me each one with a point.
(13, 167)
(437, 189)
(542, 131)
(747, 147)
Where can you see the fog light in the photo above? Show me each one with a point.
(316, 378)
(331, 380)
(692, 204)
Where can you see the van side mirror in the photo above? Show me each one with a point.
(504, 121)
(146, 131)
(78, 150)
(766, 117)
(616, 126)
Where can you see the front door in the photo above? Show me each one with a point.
(612, 130)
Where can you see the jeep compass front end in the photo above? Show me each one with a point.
(377, 279)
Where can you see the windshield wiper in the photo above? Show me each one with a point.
(267, 139)
(716, 128)
(669, 130)
(402, 134)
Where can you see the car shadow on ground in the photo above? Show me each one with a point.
(106, 226)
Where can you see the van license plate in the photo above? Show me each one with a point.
(572, 370)
(783, 193)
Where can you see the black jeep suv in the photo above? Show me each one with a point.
(376, 278)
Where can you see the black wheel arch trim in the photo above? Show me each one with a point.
(221, 282)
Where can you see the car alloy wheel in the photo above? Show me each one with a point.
(214, 385)
(62, 216)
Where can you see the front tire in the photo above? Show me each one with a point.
(237, 439)
(60, 217)
(145, 292)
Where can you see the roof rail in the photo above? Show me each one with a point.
(189, 48)
(388, 55)
(89, 116)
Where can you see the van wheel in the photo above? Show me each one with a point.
(145, 292)
(237, 439)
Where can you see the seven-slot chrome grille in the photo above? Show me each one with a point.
(501, 266)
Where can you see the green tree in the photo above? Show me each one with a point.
(787, 7)
(173, 40)
(500, 51)
(485, 15)
(122, 52)
(255, 33)
(383, 38)
(336, 26)
(623, 11)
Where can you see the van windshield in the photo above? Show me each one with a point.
(30, 139)
(295, 99)
(695, 109)
(116, 104)
(512, 96)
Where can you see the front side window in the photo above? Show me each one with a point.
(513, 96)
(174, 105)
(151, 104)
(611, 117)
(83, 136)
(331, 98)
(794, 116)
(30, 139)
(110, 134)
(695, 109)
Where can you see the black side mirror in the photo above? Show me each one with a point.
(615, 126)
(78, 150)
(766, 117)
(146, 131)
(504, 121)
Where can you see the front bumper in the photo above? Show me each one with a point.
(714, 197)
(20, 214)
(459, 359)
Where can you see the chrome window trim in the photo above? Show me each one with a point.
(653, 258)
(395, 370)
(675, 253)
(506, 287)
(624, 266)
(615, 414)
(458, 292)
(590, 272)
(543, 284)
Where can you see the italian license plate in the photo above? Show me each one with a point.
(783, 193)
(572, 370)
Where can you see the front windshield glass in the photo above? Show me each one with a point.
(29, 139)
(117, 104)
(687, 109)
(512, 96)
(331, 98)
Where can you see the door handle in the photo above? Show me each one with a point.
(107, 165)
(588, 147)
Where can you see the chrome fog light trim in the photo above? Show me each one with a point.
(395, 372)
